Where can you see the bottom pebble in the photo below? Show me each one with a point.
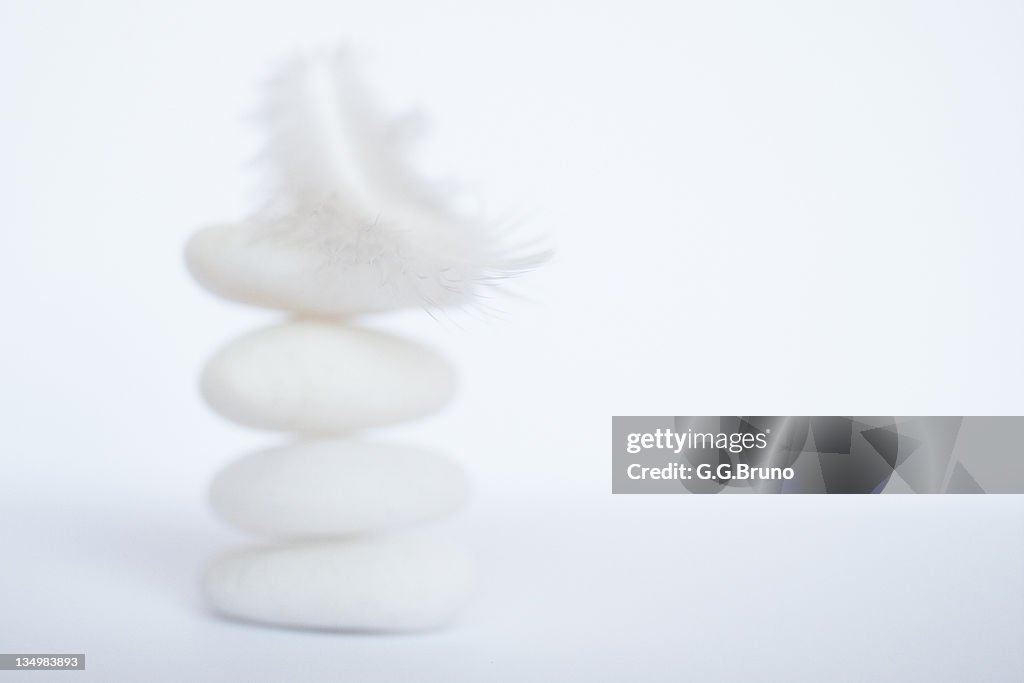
(382, 585)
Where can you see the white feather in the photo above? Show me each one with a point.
(344, 193)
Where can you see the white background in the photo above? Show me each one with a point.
(759, 208)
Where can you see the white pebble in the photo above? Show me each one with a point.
(325, 378)
(337, 487)
(390, 585)
(244, 264)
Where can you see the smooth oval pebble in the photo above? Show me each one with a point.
(337, 487)
(244, 264)
(324, 378)
(389, 585)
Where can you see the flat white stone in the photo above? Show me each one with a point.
(337, 487)
(324, 378)
(383, 585)
(294, 271)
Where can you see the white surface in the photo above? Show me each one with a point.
(325, 378)
(337, 487)
(785, 208)
(660, 588)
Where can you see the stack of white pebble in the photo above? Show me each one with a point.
(347, 229)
